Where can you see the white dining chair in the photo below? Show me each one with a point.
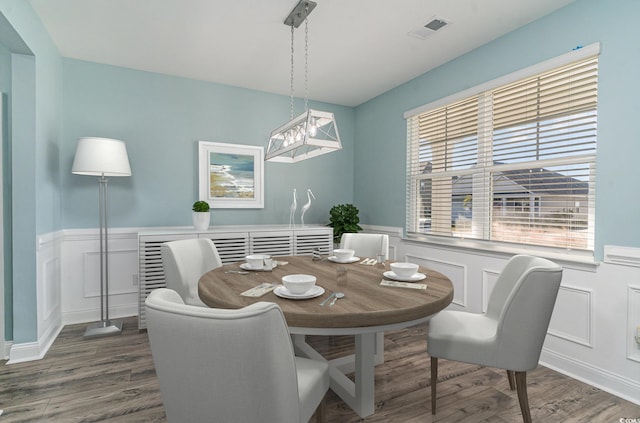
(230, 365)
(184, 262)
(369, 246)
(510, 334)
(366, 245)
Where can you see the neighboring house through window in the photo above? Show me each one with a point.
(510, 161)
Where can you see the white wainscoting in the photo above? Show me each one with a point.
(489, 278)
(591, 334)
(81, 274)
(456, 272)
(49, 294)
(633, 324)
(68, 283)
(573, 315)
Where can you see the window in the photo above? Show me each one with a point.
(512, 163)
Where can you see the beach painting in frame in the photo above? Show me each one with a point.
(231, 175)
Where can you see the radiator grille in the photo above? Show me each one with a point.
(272, 243)
(232, 247)
(306, 242)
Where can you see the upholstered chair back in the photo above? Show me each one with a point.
(184, 262)
(218, 365)
(366, 245)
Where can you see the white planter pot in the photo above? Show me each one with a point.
(201, 220)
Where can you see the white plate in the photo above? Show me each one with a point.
(245, 266)
(283, 292)
(413, 278)
(335, 260)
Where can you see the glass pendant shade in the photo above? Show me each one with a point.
(310, 134)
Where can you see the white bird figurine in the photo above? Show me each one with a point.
(292, 212)
(306, 206)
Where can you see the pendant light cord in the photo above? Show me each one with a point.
(306, 60)
(306, 65)
(291, 86)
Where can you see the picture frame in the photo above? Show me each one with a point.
(231, 175)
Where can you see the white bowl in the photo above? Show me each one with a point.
(256, 260)
(404, 270)
(343, 254)
(298, 284)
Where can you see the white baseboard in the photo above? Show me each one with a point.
(615, 384)
(30, 351)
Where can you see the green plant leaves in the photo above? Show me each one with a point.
(343, 219)
(200, 206)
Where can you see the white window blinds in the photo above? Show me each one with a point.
(515, 163)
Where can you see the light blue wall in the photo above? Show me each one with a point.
(162, 118)
(36, 83)
(5, 88)
(380, 154)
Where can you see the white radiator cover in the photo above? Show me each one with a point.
(233, 244)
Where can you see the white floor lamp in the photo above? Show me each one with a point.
(102, 157)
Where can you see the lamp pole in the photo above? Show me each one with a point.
(105, 326)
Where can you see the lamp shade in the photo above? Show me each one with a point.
(101, 157)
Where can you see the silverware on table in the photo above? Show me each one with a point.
(239, 272)
(336, 297)
(329, 298)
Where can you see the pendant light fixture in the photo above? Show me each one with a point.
(314, 132)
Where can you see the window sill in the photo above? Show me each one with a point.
(585, 260)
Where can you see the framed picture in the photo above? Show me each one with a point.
(231, 175)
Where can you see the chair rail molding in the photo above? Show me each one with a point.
(627, 256)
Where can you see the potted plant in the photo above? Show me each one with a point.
(343, 219)
(201, 215)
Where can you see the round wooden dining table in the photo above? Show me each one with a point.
(367, 308)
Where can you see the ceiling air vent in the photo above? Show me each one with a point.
(428, 29)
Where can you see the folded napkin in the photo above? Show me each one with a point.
(260, 290)
(395, 284)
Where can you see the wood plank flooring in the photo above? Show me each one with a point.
(113, 379)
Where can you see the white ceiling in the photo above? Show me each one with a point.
(358, 49)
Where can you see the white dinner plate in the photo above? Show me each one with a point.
(335, 260)
(245, 266)
(413, 278)
(283, 292)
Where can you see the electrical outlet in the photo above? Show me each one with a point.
(135, 280)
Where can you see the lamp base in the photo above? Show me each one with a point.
(104, 328)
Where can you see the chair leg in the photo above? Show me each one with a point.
(521, 384)
(512, 379)
(434, 380)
